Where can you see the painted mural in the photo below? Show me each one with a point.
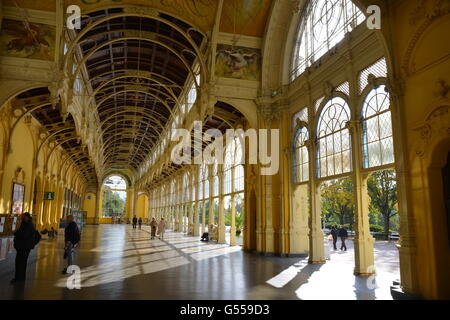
(238, 62)
(247, 17)
(200, 13)
(35, 41)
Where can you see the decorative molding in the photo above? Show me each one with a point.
(142, 11)
(442, 89)
(19, 175)
(429, 15)
(436, 126)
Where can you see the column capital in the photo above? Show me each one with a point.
(354, 126)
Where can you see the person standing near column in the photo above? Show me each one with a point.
(72, 239)
(334, 234)
(343, 234)
(161, 228)
(135, 220)
(24, 241)
(140, 223)
(153, 226)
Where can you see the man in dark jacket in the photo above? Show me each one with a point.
(343, 234)
(72, 238)
(135, 220)
(334, 234)
(24, 242)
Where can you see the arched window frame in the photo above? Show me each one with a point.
(306, 39)
(377, 86)
(301, 154)
(344, 134)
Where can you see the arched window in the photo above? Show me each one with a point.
(301, 156)
(324, 24)
(227, 167)
(215, 179)
(334, 146)
(378, 144)
(239, 168)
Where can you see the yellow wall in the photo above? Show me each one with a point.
(142, 206)
(89, 206)
(421, 58)
(18, 164)
(19, 158)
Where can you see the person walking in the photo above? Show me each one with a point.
(334, 234)
(140, 223)
(135, 220)
(161, 228)
(153, 226)
(72, 239)
(343, 234)
(24, 242)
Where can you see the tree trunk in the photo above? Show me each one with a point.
(387, 226)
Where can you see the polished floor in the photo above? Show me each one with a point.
(117, 262)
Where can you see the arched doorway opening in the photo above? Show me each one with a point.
(114, 199)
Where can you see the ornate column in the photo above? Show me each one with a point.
(211, 197)
(316, 235)
(233, 209)
(178, 206)
(98, 206)
(266, 230)
(407, 245)
(203, 217)
(364, 242)
(221, 224)
(195, 179)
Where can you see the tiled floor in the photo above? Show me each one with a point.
(120, 263)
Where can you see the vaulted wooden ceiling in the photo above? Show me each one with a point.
(137, 77)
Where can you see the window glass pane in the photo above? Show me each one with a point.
(301, 156)
(334, 139)
(324, 24)
(378, 148)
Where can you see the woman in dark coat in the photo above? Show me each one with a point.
(24, 242)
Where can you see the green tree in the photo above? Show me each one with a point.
(337, 201)
(112, 203)
(382, 189)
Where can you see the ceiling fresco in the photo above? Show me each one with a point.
(37, 42)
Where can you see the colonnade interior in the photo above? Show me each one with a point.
(243, 119)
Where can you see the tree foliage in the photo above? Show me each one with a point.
(338, 200)
(382, 189)
(113, 204)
